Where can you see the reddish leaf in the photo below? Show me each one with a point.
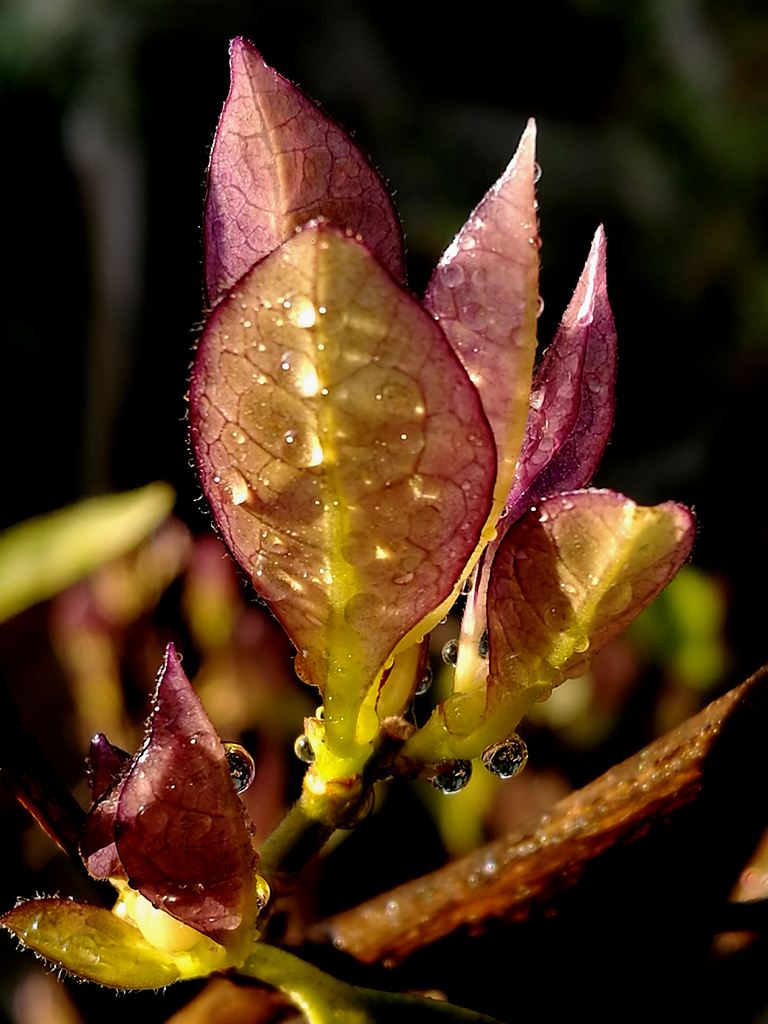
(485, 294)
(572, 400)
(181, 829)
(572, 574)
(104, 765)
(278, 162)
(345, 455)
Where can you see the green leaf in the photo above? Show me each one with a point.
(95, 944)
(42, 556)
(345, 454)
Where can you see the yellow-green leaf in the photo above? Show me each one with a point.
(95, 944)
(42, 556)
(572, 574)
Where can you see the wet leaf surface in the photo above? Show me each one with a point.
(485, 293)
(344, 452)
(181, 831)
(572, 574)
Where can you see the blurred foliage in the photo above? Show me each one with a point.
(42, 556)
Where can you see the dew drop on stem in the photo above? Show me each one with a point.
(302, 748)
(424, 683)
(450, 777)
(450, 652)
(506, 758)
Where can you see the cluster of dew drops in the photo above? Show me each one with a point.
(504, 759)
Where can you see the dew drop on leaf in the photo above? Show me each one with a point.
(241, 766)
(450, 652)
(302, 748)
(506, 758)
(483, 644)
(451, 777)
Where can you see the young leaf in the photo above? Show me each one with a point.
(572, 400)
(566, 578)
(485, 293)
(181, 829)
(94, 943)
(572, 574)
(277, 162)
(104, 765)
(345, 454)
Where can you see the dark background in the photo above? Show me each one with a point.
(653, 119)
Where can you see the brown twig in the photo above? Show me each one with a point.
(510, 877)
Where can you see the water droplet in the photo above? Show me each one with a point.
(424, 683)
(303, 313)
(261, 891)
(238, 487)
(453, 275)
(581, 644)
(466, 587)
(450, 652)
(241, 766)
(483, 644)
(302, 748)
(451, 777)
(539, 306)
(506, 758)
(536, 172)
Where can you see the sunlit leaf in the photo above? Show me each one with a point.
(567, 577)
(345, 455)
(570, 575)
(94, 943)
(278, 162)
(572, 400)
(181, 829)
(485, 293)
(42, 556)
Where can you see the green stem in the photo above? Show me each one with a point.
(326, 1000)
(320, 997)
(293, 843)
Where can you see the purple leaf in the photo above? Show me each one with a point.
(484, 291)
(572, 400)
(104, 765)
(181, 830)
(277, 162)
